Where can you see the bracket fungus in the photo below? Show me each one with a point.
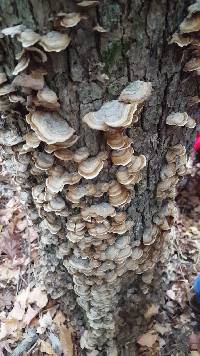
(117, 140)
(69, 20)
(91, 167)
(122, 157)
(54, 41)
(49, 127)
(188, 37)
(13, 31)
(180, 119)
(112, 114)
(136, 92)
(28, 38)
(89, 222)
(34, 80)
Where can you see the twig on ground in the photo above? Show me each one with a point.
(30, 339)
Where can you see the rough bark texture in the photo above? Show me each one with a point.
(135, 47)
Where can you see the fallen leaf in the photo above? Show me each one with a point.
(59, 318)
(46, 348)
(17, 312)
(8, 273)
(151, 311)
(9, 326)
(65, 334)
(30, 315)
(147, 339)
(162, 329)
(38, 296)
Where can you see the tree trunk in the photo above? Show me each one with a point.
(92, 70)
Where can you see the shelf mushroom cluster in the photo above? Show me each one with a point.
(180, 119)
(73, 201)
(97, 251)
(173, 169)
(100, 233)
(188, 36)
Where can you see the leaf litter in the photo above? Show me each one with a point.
(171, 329)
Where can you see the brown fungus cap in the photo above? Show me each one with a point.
(28, 38)
(69, 20)
(190, 24)
(32, 140)
(75, 193)
(43, 160)
(91, 167)
(51, 224)
(56, 183)
(99, 29)
(88, 3)
(112, 114)
(47, 98)
(167, 183)
(150, 234)
(22, 64)
(118, 194)
(64, 154)
(49, 127)
(57, 146)
(175, 152)
(191, 123)
(34, 81)
(181, 40)
(177, 119)
(117, 140)
(13, 31)
(103, 210)
(137, 163)
(122, 157)
(121, 228)
(81, 154)
(75, 223)
(168, 170)
(126, 178)
(136, 92)
(54, 41)
(56, 204)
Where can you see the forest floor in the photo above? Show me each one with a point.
(33, 324)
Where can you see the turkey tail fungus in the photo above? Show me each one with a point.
(95, 131)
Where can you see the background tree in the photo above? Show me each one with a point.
(93, 69)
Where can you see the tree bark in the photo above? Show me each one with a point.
(92, 70)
